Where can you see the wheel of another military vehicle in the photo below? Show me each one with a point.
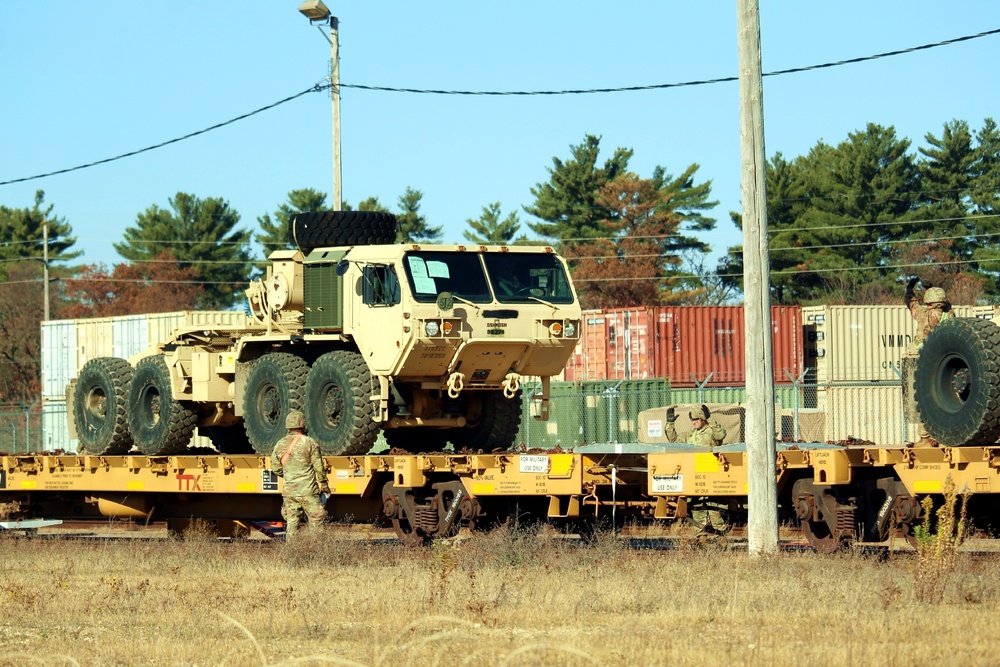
(100, 406)
(273, 388)
(958, 382)
(416, 440)
(324, 229)
(499, 418)
(338, 406)
(158, 423)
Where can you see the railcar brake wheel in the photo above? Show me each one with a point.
(958, 382)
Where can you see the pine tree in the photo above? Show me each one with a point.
(489, 229)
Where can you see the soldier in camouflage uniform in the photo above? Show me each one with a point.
(934, 310)
(707, 433)
(296, 457)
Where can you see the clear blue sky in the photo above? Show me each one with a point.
(83, 81)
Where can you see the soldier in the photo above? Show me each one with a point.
(707, 432)
(296, 457)
(934, 310)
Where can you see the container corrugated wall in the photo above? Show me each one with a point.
(630, 344)
(94, 338)
(589, 360)
(861, 343)
(59, 357)
(55, 431)
(873, 413)
(130, 335)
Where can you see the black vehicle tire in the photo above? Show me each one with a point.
(159, 424)
(325, 229)
(958, 382)
(229, 439)
(274, 387)
(496, 428)
(338, 406)
(417, 440)
(100, 406)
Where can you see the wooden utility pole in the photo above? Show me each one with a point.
(335, 95)
(762, 529)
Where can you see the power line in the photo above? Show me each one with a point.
(585, 91)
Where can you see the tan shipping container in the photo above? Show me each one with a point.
(873, 413)
(861, 343)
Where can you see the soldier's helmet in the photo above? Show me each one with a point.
(295, 419)
(935, 295)
(697, 413)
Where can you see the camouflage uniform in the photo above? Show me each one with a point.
(709, 435)
(928, 315)
(304, 477)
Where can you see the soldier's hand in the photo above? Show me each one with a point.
(325, 489)
(925, 284)
(913, 283)
(671, 414)
(708, 413)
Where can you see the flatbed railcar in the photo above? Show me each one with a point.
(836, 495)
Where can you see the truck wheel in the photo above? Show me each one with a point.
(338, 404)
(958, 382)
(499, 420)
(325, 229)
(274, 387)
(159, 424)
(99, 406)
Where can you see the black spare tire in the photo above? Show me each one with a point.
(327, 229)
(957, 382)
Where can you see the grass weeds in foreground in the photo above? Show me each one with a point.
(511, 597)
(937, 544)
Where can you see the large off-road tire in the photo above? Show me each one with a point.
(158, 423)
(325, 229)
(338, 406)
(958, 382)
(496, 428)
(274, 387)
(100, 406)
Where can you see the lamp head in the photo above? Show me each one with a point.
(314, 10)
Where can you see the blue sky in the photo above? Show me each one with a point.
(83, 81)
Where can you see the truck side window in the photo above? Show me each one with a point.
(381, 285)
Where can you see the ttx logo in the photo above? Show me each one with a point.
(188, 482)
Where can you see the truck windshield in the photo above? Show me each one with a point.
(460, 273)
(525, 277)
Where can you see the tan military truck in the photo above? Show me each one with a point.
(428, 343)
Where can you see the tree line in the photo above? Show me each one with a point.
(846, 224)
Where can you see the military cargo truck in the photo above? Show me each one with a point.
(428, 343)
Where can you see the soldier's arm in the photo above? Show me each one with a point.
(718, 431)
(671, 432)
(317, 464)
(276, 466)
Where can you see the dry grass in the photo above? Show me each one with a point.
(501, 599)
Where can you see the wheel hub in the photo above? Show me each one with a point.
(960, 381)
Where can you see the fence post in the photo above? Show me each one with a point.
(899, 374)
(611, 391)
(701, 385)
(797, 382)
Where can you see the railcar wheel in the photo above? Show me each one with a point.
(274, 387)
(338, 406)
(819, 537)
(100, 406)
(325, 229)
(958, 382)
(159, 424)
(494, 421)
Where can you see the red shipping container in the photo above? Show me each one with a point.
(699, 343)
(631, 352)
(589, 360)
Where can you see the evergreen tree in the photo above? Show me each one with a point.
(412, 225)
(274, 231)
(203, 236)
(489, 229)
(21, 234)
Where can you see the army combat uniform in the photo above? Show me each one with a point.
(928, 315)
(296, 457)
(709, 435)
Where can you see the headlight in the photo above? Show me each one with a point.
(570, 329)
(556, 328)
(431, 328)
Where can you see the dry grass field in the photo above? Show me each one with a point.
(505, 598)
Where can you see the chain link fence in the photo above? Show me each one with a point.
(20, 430)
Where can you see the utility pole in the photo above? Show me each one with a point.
(45, 266)
(762, 526)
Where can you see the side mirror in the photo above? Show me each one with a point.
(342, 267)
(445, 301)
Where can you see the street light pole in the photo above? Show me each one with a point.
(317, 12)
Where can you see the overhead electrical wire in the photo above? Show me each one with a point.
(584, 91)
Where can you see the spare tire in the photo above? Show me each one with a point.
(328, 229)
(958, 382)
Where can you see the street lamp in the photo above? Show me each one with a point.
(317, 12)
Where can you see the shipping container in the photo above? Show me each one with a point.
(590, 360)
(870, 412)
(705, 345)
(55, 430)
(862, 343)
(630, 346)
(130, 335)
(59, 357)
